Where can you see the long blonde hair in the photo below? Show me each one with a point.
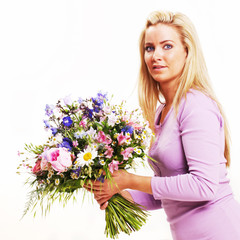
(194, 75)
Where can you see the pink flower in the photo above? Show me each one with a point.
(102, 138)
(113, 166)
(127, 153)
(75, 143)
(109, 152)
(44, 164)
(37, 167)
(136, 126)
(83, 123)
(122, 138)
(59, 158)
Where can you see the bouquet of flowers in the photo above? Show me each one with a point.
(89, 139)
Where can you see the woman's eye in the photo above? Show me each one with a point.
(149, 48)
(167, 46)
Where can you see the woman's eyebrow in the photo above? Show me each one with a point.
(150, 43)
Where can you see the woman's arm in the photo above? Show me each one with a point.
(201, 130)
(202, 133)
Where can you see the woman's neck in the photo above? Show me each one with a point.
(169, 94)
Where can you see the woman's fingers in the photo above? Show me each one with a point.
(96, 185)
(104, 205)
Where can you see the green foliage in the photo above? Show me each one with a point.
(122, 215)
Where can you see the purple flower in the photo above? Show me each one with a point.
(98, 101)
(54, 131)
(67, 121)
(67, 143)
(89, 113)
(101, 178)
(80, 100)
(101, 97)
(46, 122)
(49, 110)
(77, 171)
(128, 129)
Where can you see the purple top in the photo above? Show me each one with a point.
(190, 168)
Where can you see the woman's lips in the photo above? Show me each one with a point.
(158, 67)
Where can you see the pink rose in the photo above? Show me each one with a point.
(37, 167)
(127, 153)
(44, 164)
(59, 158)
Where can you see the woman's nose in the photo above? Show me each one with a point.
(157, 55)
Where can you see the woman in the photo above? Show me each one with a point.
(191, 145)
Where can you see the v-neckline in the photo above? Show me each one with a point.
(158, 123)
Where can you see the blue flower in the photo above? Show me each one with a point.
(67, 143)
(80, 100)
(54, 131)
(80, 134)
(98, 101)
(77, 171)
(46, 122)
(101, 178)
(67, 121)
(128, 129)
(89, 113)
(101, 97)
(49, 110)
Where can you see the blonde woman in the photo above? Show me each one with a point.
(191, 145)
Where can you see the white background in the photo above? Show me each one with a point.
(52, 48)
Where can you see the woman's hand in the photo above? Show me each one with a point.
(104, 191)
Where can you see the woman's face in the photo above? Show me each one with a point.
(165, 54)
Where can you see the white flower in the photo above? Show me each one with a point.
(67, 100)
(86, 157)
(80, 134)
(54, 140)
(107, 110)
(57, 181)
(138, 150)
(91, 132)
(112, 119)
(102, 162)
(128, 141)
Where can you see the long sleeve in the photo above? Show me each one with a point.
(201, 132)
(146, 200)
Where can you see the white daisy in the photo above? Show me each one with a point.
(54, 140)
(138, 150)
(102, 162)
(86, 157)
(57, 181)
